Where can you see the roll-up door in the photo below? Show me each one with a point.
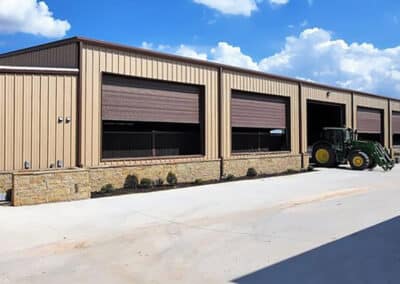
(396, 122)
(369, 120)
(258, 111)
(133, 99)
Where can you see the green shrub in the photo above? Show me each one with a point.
(146, 183)
(230, 177)
(198, 181)
(108, 188)
(310, 168)
(131, 181)
(172, 179)
(159, 182)
(251, 172)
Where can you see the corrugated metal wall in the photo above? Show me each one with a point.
(261, 85)
(376, 103)
(394, 107)
(29, 107)
(97, 59)
(64, 56)
(321, 94)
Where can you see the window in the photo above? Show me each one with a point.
(143, 139)
(259, 123)
(247, 140)
(147, 118)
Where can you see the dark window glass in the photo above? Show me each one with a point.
(396, 139)
(247, 140)
(146, 139)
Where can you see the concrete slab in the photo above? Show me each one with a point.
(241, 232)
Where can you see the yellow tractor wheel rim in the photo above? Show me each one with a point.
(358, 161)
(322, 156)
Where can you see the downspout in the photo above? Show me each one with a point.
(390, 135)
(78, 108)
(220, 126)
(352, 110)
(301, 124)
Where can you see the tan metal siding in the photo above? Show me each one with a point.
(321, 94)
(257, 84)
(376, 103)
(96, 60)
(64, 56)
(28, 120)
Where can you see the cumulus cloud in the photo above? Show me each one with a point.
(30, 16)
(314, 55)
(232, 7)
(187, 51)
(232, 55)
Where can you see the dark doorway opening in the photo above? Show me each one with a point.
(320, 115)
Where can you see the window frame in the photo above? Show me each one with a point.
(202, 106)
(288, 104)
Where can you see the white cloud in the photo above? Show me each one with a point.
(190, 52)
(30, 16)
(228, 54)
(279, 2)
(231, 7)
(315, 56)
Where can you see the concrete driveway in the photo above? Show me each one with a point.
(327, 226)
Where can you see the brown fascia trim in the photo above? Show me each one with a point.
(166, 56)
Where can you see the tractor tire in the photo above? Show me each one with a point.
(324, 156)
(359, 161)
(372, 165)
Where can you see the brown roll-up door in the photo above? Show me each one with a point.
(369, 120)
(133, 99)
(258, 111)
(396, 122)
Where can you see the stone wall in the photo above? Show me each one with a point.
(185, 172)
(6, 184)
(272, 164)
(50, 186)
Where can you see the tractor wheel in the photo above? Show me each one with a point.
(324, 156)
(359, 161)
(372, 165)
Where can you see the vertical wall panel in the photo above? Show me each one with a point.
(29, 106)
(143, 66)
(375, 103)
(261, 85)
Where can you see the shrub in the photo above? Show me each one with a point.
(251, 172)
(108, 188)
(198, 181)
(146, 183)
(310, 168)
(131, 181)
(172, 179)
(159, 182)
(230, 177)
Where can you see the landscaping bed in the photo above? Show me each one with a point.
(146, 185)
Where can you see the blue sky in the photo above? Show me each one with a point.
(353, 44)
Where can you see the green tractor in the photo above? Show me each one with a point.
(340, 146)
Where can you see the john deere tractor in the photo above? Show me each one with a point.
(340, 146)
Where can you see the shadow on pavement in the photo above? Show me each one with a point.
(368, 256)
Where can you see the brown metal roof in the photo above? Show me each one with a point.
(143, 51)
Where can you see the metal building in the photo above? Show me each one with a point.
(77, 114)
